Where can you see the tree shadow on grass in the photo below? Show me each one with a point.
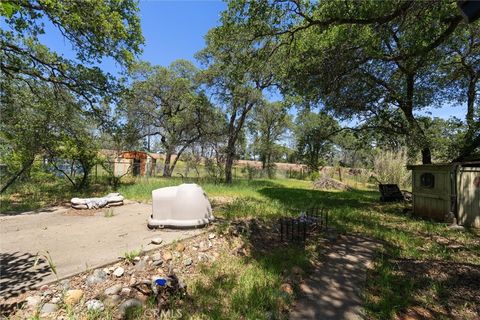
(18, 275)
(304, 198)
(423, 289)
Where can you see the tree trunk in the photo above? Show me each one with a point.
(233, 130)
(172, 167)
(471, 95)
(471, 142)
(417, 131)
(18, 174)
(166, 169)
(229, 160)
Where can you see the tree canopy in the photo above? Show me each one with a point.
(378, 60)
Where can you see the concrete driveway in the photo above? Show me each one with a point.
(75, 243)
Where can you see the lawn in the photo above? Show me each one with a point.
(423, 268)
(415, 272)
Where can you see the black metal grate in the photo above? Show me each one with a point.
(297, 230)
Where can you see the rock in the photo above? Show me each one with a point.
(44, 287)
(203, 257)
(167, 256)
(125, 292)
(136, 259)
(112, 301)
(211, 236)
(129, 304)
(177, 254)
(210, 244)
(100, 273)
(132, 281)
(180, 247)
(119, 272)
(157, 241)
(157, 259)
(55, 300)
(33, 302)
(107, 271)
(65, 284)
(47, 293)
(48, 308)
(204, 246)
(157, 263)
(115, 289)
(287, 289)
(187, 262)
(95, 305)
(141, 265)
(72, 297)
(98, 276)
(91, 280)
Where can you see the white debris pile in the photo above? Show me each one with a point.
(110, 200)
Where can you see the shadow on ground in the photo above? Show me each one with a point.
(304, 198)
(19, 273)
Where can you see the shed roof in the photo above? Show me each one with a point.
(470, 163)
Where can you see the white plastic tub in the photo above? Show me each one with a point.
(183, 206)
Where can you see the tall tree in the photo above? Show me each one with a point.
(236, 76)
(360, 58)
(47, 126)
(314, 133)
(168, 103)
(269, 123)
(462, 73)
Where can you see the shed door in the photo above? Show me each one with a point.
(469, 196)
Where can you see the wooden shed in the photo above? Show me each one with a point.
(444, 192)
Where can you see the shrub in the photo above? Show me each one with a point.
(390, 167)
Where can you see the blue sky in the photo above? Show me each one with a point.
(172, 30)
(175, 30)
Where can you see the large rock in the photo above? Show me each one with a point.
(157, 241)
(141, 265)
(112, 301)
(48, 308)
(129, 304)
(98, 276)
(33, 302)
(187, 262)
(180, 247)
(95, 305)
(167, 256)
(72, 297)
(119, 272)
(115, 289)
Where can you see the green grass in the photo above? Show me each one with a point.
(237, 287)
(130, 256)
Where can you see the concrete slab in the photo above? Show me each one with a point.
(74, 243)
(333, 292)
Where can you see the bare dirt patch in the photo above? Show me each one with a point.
(441, 289)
